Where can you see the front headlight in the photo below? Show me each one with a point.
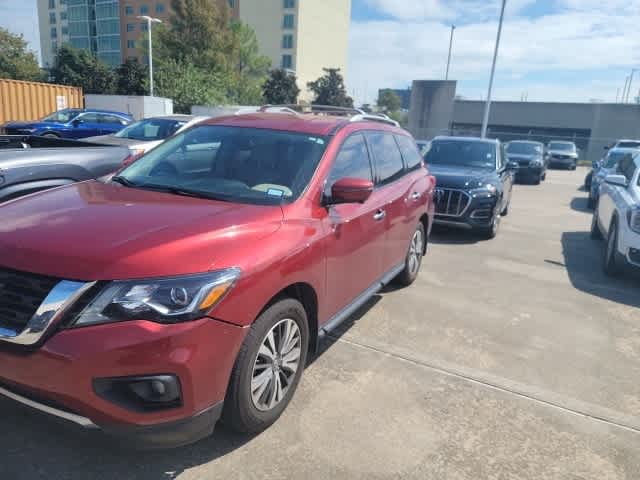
(486, 190)
(536, 162)
(164, 300)
(633, 217)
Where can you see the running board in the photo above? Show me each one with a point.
(360, 300)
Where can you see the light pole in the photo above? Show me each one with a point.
(446, 76)
(624, 90)
(633, 71)
(150, 20)
(487, 107)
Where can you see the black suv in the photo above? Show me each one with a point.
(473, 183)
(529, 159)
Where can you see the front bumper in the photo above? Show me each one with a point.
(57, 379)
(529, 173)
(562, 162)
(478, 215)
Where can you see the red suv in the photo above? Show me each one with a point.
(191, 285)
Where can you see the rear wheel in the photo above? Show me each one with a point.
(612, 264)
(413, 260)
(268, 367)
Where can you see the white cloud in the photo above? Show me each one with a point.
(392, 53)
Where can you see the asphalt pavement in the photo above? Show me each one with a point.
(515, 358)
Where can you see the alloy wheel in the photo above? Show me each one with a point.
(415, 252)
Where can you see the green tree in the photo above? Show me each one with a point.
(132, 78)
(17, 62)
(389, 101)
(330, 90)
(281, 88)
(79, 68)
(249, 69)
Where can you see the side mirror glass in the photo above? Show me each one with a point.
(616, 180)
(350, 190)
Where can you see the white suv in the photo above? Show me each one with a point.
(617, 216)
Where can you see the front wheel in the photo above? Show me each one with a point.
(413, 260)
(491, 231)
(268, 367)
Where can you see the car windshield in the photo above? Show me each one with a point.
(244, 165)
(62, 116)
(463, 153)
(613, 159)
(151, 129)
(524, 148)
(628, 144)
(562, 146)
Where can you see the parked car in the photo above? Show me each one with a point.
(30, 164)
(617, 216)
(604, 167)
(143, 135)
(473, 183)
(531, 160)
(423, 146)
(625, 143)
(192, 284)
(72, 123)
(562, 154)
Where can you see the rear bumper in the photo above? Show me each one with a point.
(58, 379)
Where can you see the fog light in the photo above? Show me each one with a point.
(141, 394)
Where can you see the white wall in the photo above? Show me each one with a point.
(139, 107)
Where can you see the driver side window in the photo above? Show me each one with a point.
(351, 161)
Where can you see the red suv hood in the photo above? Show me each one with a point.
(97, 231)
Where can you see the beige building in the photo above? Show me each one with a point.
(303, 36)
(54, 28)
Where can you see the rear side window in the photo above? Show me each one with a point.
(386, 155)
(627, 167)
(110, 119)
(409, 152)
(352, 161)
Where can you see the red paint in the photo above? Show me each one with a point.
(95, 231)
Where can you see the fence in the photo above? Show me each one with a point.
(32, 100)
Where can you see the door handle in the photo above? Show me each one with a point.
(415, 195)
(379, 215)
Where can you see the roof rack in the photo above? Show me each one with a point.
(355, 114)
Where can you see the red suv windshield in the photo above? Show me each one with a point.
(246, 165)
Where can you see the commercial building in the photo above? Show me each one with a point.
(54, 28)
(592, 126)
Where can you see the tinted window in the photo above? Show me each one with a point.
(412, 157)
(524, 148)
(628, 144)
(151, 129)
(109, 119)
(562, 146)
(62, 116)
(462, 153)
(627, 167)
(386, 155)
(613, 158)
(352, 161)
(89, 118)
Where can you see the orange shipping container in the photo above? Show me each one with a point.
(32, 100)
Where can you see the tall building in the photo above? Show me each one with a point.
(303, 36)
(54, 28)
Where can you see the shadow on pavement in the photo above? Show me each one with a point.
(583, 261)
(441, 235)
(581, 204)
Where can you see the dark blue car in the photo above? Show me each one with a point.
(72, 123)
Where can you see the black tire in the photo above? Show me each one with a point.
(489, 233)
(611, 263)
(573, 167)
(240, 413)
(596, 234)
(537, 180)
(591, 203)
(411, 270)
(544, 176)
(505, 212)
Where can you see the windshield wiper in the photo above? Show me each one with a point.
(123, 181)
(182, 191)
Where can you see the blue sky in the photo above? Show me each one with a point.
(552, 50)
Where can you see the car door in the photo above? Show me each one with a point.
(392, 187)
(611, 195)
(85, 125)
(356, 232)
(110, 124)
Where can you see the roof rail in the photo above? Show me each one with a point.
(278, 109)
(372, 117)
(314, 109)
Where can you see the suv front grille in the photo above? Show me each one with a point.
(21, 294)
(451, 203)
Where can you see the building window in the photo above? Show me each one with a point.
(159, 7)
(131, 44)
(63, 15)
(288, 21)
(287, 61)
(52, 18)
(232, 3)
(144, 10)
(144, 26)
(289, 3)
(130, 27)
(128, 10)
(287, 41)
(54, 32)
(65, 30)
(52, 4)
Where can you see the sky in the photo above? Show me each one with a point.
(551, 50)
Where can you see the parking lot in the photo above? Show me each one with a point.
(510, 358)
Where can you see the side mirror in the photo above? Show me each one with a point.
(617, 180)
(607, 148)
(511, 165)
(350, 190)
(76, 122)
(595, 164)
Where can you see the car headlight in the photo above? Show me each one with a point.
(486, 190)
(633, 217)
(163, 300)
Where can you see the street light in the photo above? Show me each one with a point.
(150, 20)
(633, 71)
(453, 27)
(487, 107)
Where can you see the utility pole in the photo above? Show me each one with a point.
(487, 107)
(633, 71)
(446, 76)
(150, 20)
(624, 90)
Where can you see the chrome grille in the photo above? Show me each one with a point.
(450, 202)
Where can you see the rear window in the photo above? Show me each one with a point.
(409, 151)
(386, 155)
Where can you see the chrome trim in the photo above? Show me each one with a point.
(449, 193)
(49, 313)
(71, 417)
